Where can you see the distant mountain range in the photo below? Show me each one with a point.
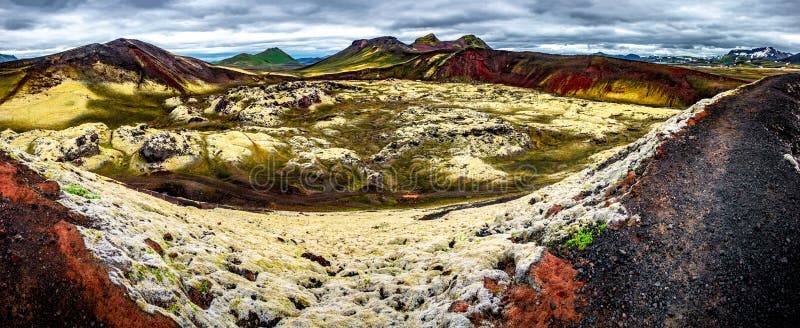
(387, 51)
(764, 56)
(137, 66)
(6, 58)
(270, 58)
(657, 59)
(310, 60)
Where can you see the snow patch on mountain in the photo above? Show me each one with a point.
(760, 53)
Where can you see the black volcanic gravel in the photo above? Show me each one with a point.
(717, 244)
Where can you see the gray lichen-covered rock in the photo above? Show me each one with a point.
(466, 168)
(186, 115)
(236, 147)
(173, 102)
(463, 131)
(261, 102)
(322, 164)
(129, 139)
(261, 115)
(74, 143)
(165, 145)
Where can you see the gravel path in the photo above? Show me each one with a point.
(717, 241)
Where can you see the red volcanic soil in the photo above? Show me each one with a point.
(553, 301)
(47, 277)
(717, 242)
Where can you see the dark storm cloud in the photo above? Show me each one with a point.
(213, 28)
(13, 24)
(44, 4)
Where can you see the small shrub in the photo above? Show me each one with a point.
(80, 191)
(204, 287)
(585, 236)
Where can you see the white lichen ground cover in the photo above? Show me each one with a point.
(388, 268)
(465, 132)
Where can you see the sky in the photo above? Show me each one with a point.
(214, 29)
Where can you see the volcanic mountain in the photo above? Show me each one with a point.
(270, 58)
(378, 52)
(431, 43)
(590, 77)
(386, 51)
(118, 79)
(5, 58)
(120, 61)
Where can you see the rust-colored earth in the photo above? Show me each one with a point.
(47, 277)
(554, 300)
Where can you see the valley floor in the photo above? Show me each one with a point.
(744, 73)
(693, 224)
(349, 145)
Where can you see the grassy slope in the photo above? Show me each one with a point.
(74, 102)
(744, 73)
(121, 82)
(9, 80)
(369, 57)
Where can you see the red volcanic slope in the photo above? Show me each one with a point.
(47, 277)
(584, 76)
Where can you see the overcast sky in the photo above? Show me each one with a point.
(211, 29)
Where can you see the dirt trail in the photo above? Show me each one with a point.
(47, 277)
(717, 243)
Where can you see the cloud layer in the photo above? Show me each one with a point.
(214, 29)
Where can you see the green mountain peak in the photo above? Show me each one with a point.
(268, 58)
